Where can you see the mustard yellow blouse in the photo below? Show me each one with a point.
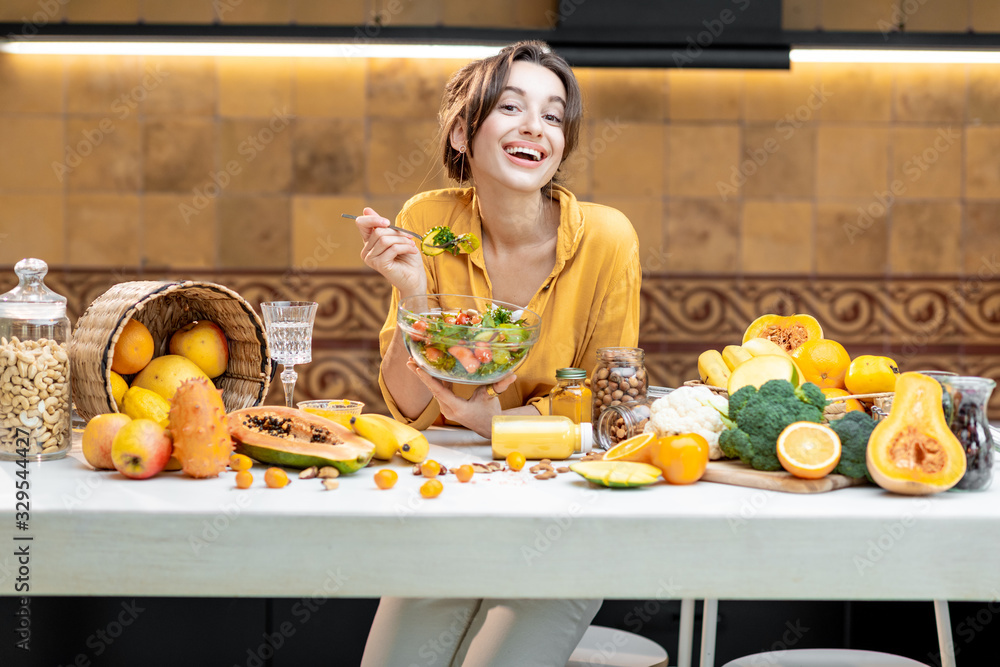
(589, 301)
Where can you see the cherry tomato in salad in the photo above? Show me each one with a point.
(419, 327)
(462, 319)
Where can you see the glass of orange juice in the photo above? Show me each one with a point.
(339, 411)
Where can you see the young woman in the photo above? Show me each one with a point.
(508, 124)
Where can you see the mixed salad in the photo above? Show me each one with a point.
(466, 346)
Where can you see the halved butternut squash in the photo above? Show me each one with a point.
(789, 331)
(913, 451)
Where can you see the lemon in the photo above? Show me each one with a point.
(146, 404)
(118, 388)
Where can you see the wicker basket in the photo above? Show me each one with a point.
(163, 307)
(881, 403)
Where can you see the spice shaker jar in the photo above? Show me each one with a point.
(619, 377)
(571, 397)
(623, 421)
(35, 403)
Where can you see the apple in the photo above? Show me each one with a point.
(98, 436)
(141, 449)
(205, 344)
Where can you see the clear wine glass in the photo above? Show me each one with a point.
(289, 327)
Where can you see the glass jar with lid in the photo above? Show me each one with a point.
(620, 422)
(35, 402)
(571, 397)
(618, 378)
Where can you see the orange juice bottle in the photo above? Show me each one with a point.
(571, 397)
(540, 437)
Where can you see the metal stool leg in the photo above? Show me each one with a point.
(709, 616)
(946, 643)
(685, 641)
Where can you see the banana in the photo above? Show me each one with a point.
(734, 355)
(385, 440)
(712, 368)
(413, 445)
(760, 347)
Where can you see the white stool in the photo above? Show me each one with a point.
(821, 657)
(609, 647)
(708, 622)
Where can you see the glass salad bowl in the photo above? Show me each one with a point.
(466, 339)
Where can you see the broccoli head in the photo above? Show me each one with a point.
(854, 430)
(762, 414)
(812, 395)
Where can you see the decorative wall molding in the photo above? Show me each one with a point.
(947, 322)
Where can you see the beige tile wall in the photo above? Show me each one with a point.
(208, 163)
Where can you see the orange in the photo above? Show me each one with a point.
(808, 450)
(386, 479)
(681, 458)
(133, 350)
(824, 362)
(870, 374)
(465, 473)
(432, 488)
(275, 478)
(638, 448)
(837, 392)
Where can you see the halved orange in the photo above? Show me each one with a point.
(808, 450)
(638, 448)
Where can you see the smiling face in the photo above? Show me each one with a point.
(520, 144)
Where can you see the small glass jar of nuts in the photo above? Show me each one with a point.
(618, 378)
(35, 401)
(621, 422)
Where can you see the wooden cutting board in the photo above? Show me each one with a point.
(740, 474)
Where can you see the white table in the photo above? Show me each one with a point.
(504, 534)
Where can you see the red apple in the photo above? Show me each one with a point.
(141, 449)
(205, 344)
(98, 436)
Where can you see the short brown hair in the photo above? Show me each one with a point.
(474, 90)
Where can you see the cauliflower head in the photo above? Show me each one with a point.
(690, 410)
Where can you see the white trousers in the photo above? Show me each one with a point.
(457, 632)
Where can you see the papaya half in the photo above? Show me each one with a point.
(789, 332)
(292, 438)
(913, 451)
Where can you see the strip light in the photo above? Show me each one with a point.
(361, 48)
(350, 49)
(923, 56)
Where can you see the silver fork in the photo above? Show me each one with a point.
(405, 231)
